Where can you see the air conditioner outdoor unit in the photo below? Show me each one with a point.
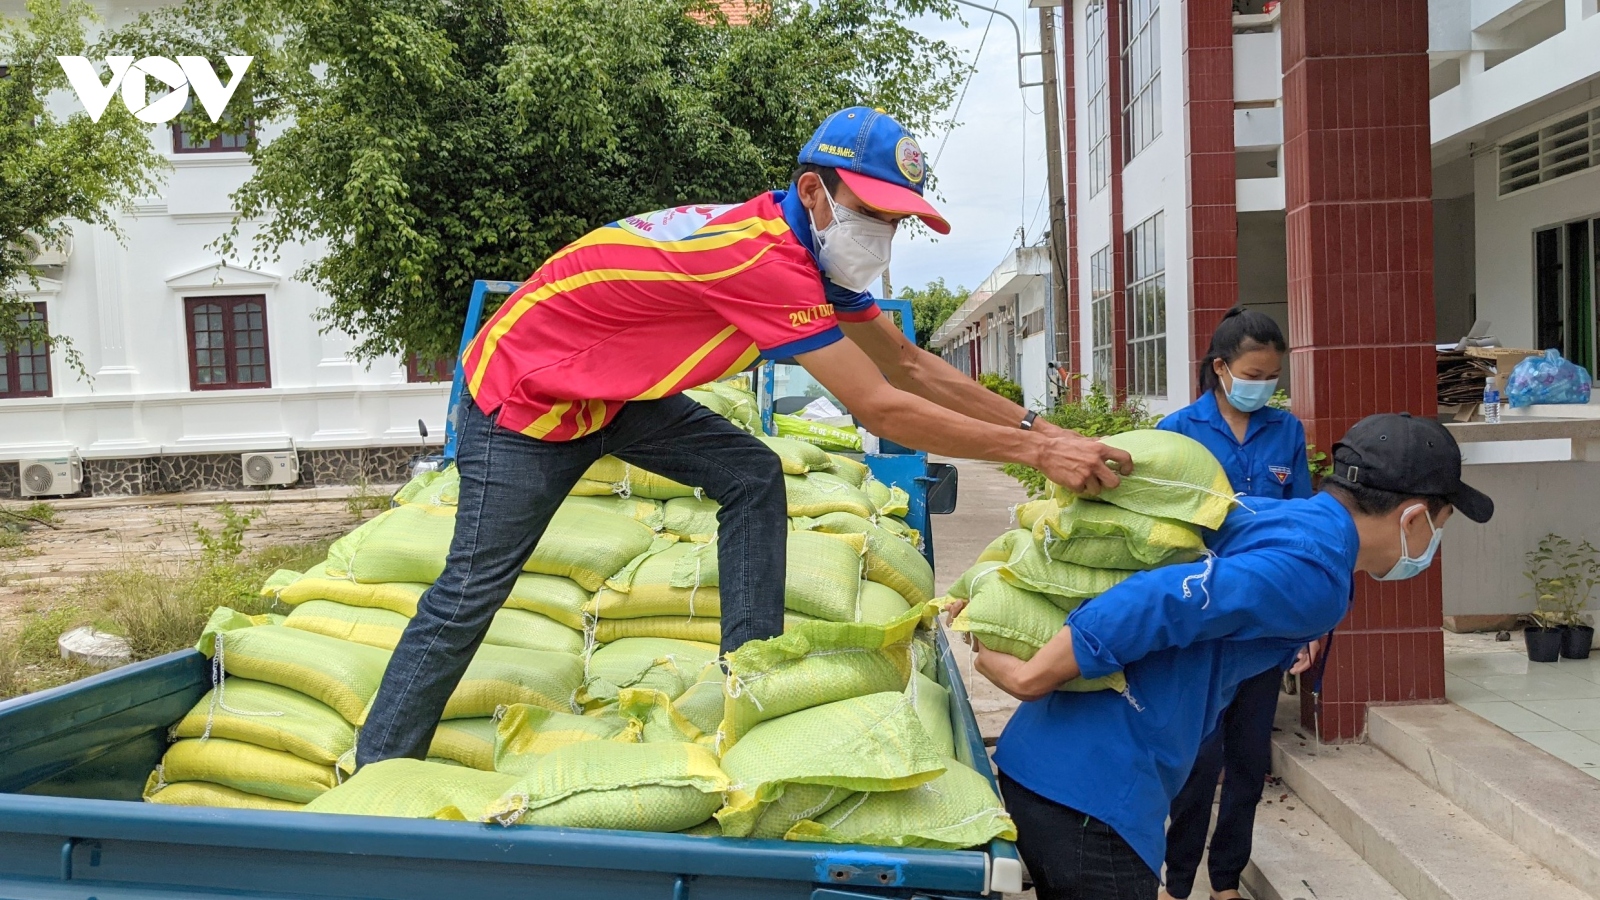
(51, 477)
(271, 467)
(39, 255)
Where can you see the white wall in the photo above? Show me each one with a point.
(1483, 565)
(1034, 350)
(1504, 243)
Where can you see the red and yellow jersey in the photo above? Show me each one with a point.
(647, 307)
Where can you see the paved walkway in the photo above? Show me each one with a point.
(1554, 706)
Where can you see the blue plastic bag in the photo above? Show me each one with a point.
(1547, 379)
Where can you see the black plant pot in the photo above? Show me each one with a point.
(1576, 641)
(1544, 644)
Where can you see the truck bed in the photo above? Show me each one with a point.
(73, 762)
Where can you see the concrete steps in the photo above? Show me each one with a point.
(1539, 803)
(1297, 856)
(1414, 837)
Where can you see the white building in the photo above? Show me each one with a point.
(193, 358)
(1002, 328)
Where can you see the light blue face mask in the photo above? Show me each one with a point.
(1407, 566)
(1248, 396)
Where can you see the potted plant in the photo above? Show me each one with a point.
(1564, 577)
(1543, 637)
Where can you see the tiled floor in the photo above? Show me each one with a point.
(1554, 706)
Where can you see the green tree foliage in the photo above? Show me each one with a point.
(931, 305)
(427, 143)
(53, 169)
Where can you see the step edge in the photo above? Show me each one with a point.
(1522, 824)
(1263, 881)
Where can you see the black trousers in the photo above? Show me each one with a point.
(1242, 748)
(1072, 856)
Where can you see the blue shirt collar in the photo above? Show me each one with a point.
(794, 213)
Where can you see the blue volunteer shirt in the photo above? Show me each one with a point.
(1270, 462)
(1185, 636)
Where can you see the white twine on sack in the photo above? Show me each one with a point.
(1203, 576)
(624, 488)
(815, 810)
(696, 588)
(219, 678)
(1233, 499)
(161, 777)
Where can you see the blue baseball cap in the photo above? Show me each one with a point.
(878, 159)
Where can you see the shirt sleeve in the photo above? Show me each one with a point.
(1299, 467)
(780, 306)
(1268, 593)
(849, 306)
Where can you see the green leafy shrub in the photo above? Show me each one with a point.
(1002, 385)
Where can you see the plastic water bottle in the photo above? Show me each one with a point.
(1491, 402)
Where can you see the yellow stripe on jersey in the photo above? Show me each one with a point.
(712, 237)
(664, 386)
(548, 422)
(491, 337)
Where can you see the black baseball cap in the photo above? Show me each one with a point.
(1403, 455)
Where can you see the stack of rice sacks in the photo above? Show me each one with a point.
(1069, 550)
(596, 699)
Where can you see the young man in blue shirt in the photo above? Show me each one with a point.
(1089, 777)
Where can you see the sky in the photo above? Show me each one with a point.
(991, 166)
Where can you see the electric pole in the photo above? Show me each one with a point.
(1061, 346)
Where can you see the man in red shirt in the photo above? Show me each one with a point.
(591, 355)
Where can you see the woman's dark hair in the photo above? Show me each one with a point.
(828, 174)
(1241, 331)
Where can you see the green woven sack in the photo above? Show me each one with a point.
(691, 518)
(925, 654)
(821, 493)
(588, 546)
(340, 674)
(881, 604)
(710, 400)
(407, 543)
(374, 627)
(890, 560)
(955, 811)
(243, 767)
(1017, 622)
(500, 676)
(812, 664)
(606, 784)
(269, 716)
(643, 510)
(932, 703)
(660, 664)
(413, 789)
(1027, 514)
(901, 530)
(828, 437)
(1103, 536)
(527, 733)
(1026, 565)
(798, 457)
(552, 596)
(627, 480)
(822, 578)
(653, 719)
(431, 489)
(469, 742)
(852, 470)
(701, 705)
(317, 584)
(200, 793)
(1174, 477)
(647, 586)
(887, 500)
(870, 743)
(531, 631)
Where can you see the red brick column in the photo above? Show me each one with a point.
(1069, 106)
(1360, 239)
(1117, 140)
(1213, 206)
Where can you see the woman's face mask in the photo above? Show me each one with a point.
(1248, 396)
(853, 251)
(1409, 566)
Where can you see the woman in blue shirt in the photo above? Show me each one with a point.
(1263, 451)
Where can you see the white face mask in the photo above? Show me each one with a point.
(853, 251)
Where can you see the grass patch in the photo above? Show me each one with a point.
(13, 679)
(365, 500)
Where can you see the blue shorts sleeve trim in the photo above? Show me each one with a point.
(804, 345)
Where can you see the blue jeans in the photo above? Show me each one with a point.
(1241, 746)
(1072, 856)
(512, 484)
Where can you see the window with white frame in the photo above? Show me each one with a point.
(1099, 101)
(1141, 67)
(1102, 360)
(1147, 309)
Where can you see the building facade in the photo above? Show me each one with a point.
(191, 359)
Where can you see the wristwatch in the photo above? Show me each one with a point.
(1027, 420)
